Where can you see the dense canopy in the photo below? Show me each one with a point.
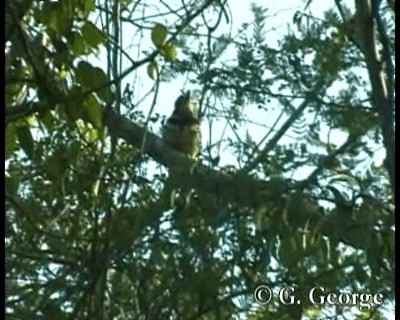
(295, 188)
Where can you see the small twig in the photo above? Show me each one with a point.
(157, 85)
(350, 140)
(272, 143)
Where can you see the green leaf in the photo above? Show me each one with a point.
(159, 34)
(56, 17)
(289, 252)
(94, 78)
(11, 139)
(73, 151)
(89, 76)
(359, 237)
(169, 52)
(106, 95)
(89, 5)
(297, 210)
(73, 106)
(55, 167)
(152, 70)
(26, 140)
(84, 74)
(89, 132)
(94, 111)
(78, 45)
(92, 35)
(47, 119)
(12, 184)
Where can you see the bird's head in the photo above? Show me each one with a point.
(185, 106)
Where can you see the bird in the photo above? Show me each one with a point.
(182, 130)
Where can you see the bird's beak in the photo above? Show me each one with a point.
(187, 96)
(185, 99)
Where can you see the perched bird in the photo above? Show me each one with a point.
(182, 130)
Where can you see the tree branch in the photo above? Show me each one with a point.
(240, 189)
(381, 100)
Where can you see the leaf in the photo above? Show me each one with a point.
(89, 76)
(341, 199)
(11, 139)
(89, 132)
(55, 168)
(359, 237)
(89, 5)
(94, 78)
(94, 111)
(56, 17)
(73, 110)
(73, 151)
(289, 252)
(84, 74)
(47, 119)
(73, 107)
(169, 52)
(78, 45)
(297, 210)
(12, 184)
(26, 141)
(159, 34)
(152, 70)
(92, 35)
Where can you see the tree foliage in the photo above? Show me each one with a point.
(289, 192)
